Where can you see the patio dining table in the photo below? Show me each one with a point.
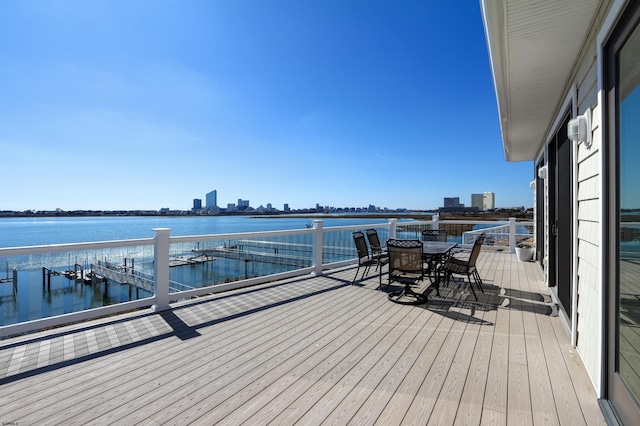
(434, 253)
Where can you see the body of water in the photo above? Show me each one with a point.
(19, 232)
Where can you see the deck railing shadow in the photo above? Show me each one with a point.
(177, 326)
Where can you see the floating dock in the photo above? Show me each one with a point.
(124, 275)
(193, 260)
(296, 255)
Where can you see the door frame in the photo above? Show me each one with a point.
(557, 177)
(623, 404)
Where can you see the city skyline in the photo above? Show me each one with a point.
(197, 206)
(487, 202)
(135, 105)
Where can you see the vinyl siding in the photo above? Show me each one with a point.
(589, 207)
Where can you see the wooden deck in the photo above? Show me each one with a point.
(311, 351)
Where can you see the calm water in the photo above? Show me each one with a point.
(18, 232)
(33, 297)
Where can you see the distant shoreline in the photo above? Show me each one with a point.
(418, 215)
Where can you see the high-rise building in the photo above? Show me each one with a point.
(212, 200)
(489, 201)
(243, 204)
(286, 208)
(477, 200)
(197, 204)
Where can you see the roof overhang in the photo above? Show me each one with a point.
(533, 48)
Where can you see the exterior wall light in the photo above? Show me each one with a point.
(579, 129)
(542, 172)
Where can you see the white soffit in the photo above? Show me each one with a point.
(533, 47)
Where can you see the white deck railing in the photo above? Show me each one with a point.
(297, 252)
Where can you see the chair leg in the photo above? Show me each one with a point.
(356, 277)
(365, 271)
(447, 277)
(478, 280)
(388, 279)
(471, 286)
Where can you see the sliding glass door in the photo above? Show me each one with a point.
(623, 109)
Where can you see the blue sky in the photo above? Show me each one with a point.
(149, 104)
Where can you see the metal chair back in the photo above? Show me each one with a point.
(475, 251)
(405, 256)
(361, 247)
(434, 235)
(374, 242)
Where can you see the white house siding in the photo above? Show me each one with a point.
(588, 214)
(589, 207)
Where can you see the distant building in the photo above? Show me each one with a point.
(286, 208)
(477, 200)
(212, 200)
(450, 202)
(242, 205)
(231, 208)
(197, 204)
(489, 201)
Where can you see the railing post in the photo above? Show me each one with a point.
(436, 221)
(512, 234)
(316, 253)
(392, 228)
(161, 268)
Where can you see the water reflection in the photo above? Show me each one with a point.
(629, 219)
(35, 295)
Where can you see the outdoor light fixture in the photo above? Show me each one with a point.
(542, 172)
(579, 128)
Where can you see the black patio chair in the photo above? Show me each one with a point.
(457, 266)
(365, 259)
(434, 235)
(465, 251)
(377, 251)
(406, 267)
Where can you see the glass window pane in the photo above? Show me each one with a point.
(629, 215)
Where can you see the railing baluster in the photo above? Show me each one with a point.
(161, 268)
(512, 234)
(317, 246)
(392, 228)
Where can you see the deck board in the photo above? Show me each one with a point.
(469, 409)
(265, 351)
(313, 350)
(446, 407)
(424, 401)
